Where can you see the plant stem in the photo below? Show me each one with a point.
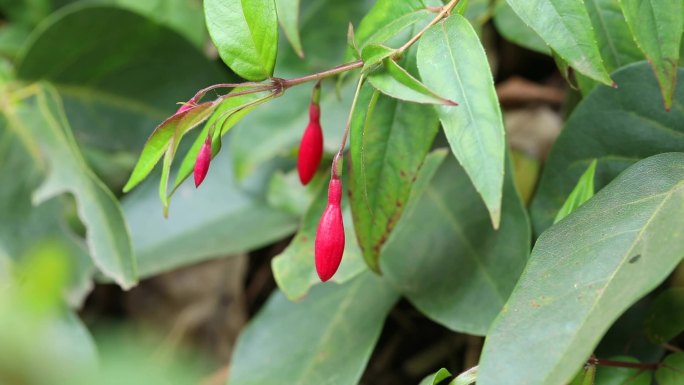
(287, 83)
(623, 364)
(446, 10)
(336, 159)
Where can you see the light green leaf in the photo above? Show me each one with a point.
(166, 136)
(217, 220)
(634, 111)
(387, 19)
(657, 28)
(245, 34)
(508, 23)
(394, 81)
(466, 378)
(606, 375)
(452, 62)
(114, 98)
(466, 269)
(666, 316)
(387, 152)
(326, 338)
(288, 17)
(670, 373)
(585, 271)
(582, 192)
(294, 270)
(42, 118)
(373, 55)
(565, 26)
(435, 378)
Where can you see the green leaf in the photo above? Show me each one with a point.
(565, 26)
(466, 378)
(606, 375)
(387, 19)
(666, 316)
(293, 269)
(288, 17)
(392, 80)
(617, 127)
(42, 118)
(326, 338)
(452, 62)
(657, 29)
(585, 271)
(582, 192)
(373, 55)
(217, 220)
(508, 23)
(613, 37)
(113, 98)
(387, 152)
(437, 377)
(670, 373)
(447, 225)
(166, 136)
(245, 34)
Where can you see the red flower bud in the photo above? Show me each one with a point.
(202, 162)
(311, 147)
(329, 245)
(190, 104)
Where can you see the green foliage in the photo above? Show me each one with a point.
(582, 192)
(666, 316)
(586, 270)
(436, 378)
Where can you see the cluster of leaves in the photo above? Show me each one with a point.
(448, 233)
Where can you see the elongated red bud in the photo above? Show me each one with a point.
(311, 147)
(329, 245)
(202, 162)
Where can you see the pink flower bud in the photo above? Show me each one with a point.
(329, 245)
(202, 162)
(311, 147)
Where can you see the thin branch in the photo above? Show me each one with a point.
(338, 156)
(446, 10)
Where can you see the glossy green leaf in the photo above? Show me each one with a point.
(392, 80)
(387, 19)
(670, 373)
(245, 34)
(217, 220)
(453, 63)
(606, 375)
(585, 271)
(326, 338)
(373, 56)
(435, 378)
(466, 269)
(466, 378)
(42, 119)
(288, 17)
(615, 126)
(582, 192)
(657, 28)
(665, 320)
(508, 23)
(389, 140)
(114, 98)
(613, 37)
(566, 27)
(294, 270)
(166, 136)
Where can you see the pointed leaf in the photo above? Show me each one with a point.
(107, 233)
(245, 34)
(452, 62)
(394, 81)
(585, 271)
(617, 127)
(666, 317)
(288, 17)
(565, 26)
(466, 269)
(657, 27)
(389, 141)
(437, 377)
(508, 23)
(374, 54)
(582, 192)
(326, 338)
(670, 373)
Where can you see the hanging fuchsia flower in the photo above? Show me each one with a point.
(329, 245)
(202, 162)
